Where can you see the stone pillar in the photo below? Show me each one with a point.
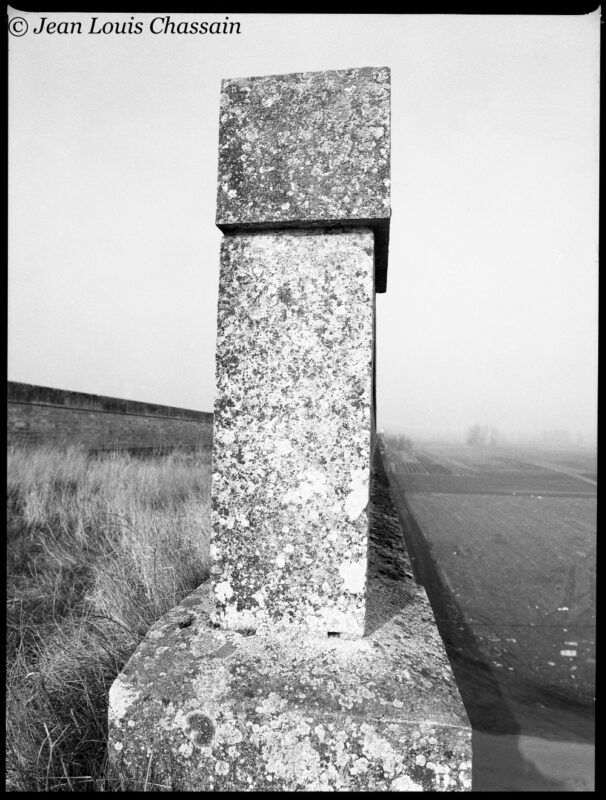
(303, 188)
(311, 660)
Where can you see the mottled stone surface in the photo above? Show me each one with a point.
(292, 430)
(309, 148)
(311, 660)
(199, 708)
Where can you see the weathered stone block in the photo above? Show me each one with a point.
(199, 709)
(309, 148)
(312, 660)
(292, 430)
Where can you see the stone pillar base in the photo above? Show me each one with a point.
(200, 708)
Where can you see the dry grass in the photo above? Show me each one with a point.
(98, 549)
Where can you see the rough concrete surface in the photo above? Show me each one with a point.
(200, 708)
(308, 148)
(292, 430)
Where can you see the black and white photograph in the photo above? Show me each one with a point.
(302, 392)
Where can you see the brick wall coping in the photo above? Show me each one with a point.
(30, 394)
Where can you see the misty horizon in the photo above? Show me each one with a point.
(547, 438)
(490, 314)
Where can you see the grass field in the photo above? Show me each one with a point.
(463, 459)
(98, 549)
(459, 469)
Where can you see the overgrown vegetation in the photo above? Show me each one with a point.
(99, 547)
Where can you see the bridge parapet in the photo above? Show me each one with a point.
(311, 659)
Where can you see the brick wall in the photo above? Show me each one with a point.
(37, 415)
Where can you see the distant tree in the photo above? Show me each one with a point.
(476, 435)
(405, 443)
(494, 436)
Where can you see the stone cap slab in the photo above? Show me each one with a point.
(307, 149)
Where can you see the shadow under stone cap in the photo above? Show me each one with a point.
(307, 149)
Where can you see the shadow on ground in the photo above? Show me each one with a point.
(511, 747)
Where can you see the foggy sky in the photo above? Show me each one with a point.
(490, 314)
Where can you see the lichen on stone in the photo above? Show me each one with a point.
(292, 430)
(307, 146)
(121, 696)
